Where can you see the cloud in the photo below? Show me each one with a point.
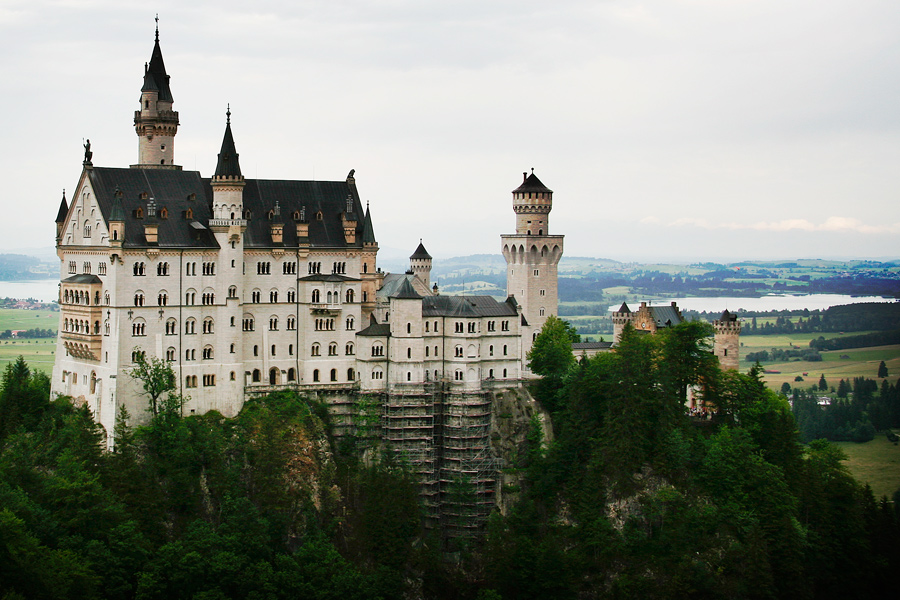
(831, 224)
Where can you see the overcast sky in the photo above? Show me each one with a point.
(668, 130)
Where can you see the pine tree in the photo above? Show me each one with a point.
(882, 370)
(823, 385)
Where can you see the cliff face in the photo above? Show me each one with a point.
(512, 412)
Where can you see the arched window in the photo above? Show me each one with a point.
(351, 375)
(348, 349)
(315, 375)
(291, 374)
(257, 375)
(208, 325)
(332, 349)
(207, 353)
(315, 350)
(349, 323)
(190, 326)
(334, 374)
(349, 296)
(315, 296)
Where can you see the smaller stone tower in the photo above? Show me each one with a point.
(727, 345)
(420, 264)
(619, 319)
(156, 123)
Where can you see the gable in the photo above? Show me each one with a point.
(85, 223)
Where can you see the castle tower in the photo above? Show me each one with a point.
(156, 123)
(619, 319)
(532, 256)
(371, 278)
(420, 264)
(727, 345)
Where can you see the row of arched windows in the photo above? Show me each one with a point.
(81, 326)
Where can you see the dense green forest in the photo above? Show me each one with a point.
(862, 407)
(630, 498)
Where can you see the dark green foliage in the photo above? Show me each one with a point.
(882, 370)
(629, 498)
(551, 357)
(24, 397)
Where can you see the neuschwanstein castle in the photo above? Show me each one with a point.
(247, 286)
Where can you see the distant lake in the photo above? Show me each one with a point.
(46, 290)
(43, 290)
(763, 303)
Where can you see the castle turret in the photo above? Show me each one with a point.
(228, 181)
(532, 256)
(156, 123)
(61, 217)
(727, 344)
(420, 264)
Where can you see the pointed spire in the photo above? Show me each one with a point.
(63, 209)
(368, 234)
(155, 77)
(228, 165)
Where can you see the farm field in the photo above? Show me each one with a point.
(876, 462)
(38, 353)
(835, 364)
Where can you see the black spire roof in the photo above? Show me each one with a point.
(368, 234)
(531, 183)
(624, 308)
(155, 77)
(228, 165)
(421, 252)
(63, 209)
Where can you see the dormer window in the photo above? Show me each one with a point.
(192, 196)
(163, 213)
(189, 213)
(139, 213)
(319, 216)
(144, 196)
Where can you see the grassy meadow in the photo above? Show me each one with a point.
(876, 462)
(38, 353)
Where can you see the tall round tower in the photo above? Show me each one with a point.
(532, 256)
(727, 344)
(156, 123)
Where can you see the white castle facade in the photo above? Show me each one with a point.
(246, 286)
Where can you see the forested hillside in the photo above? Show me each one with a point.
(631, 498)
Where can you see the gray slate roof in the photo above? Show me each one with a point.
(466, 306)
(665, 315)
(179, 191)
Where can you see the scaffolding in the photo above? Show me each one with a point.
(443, 435)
